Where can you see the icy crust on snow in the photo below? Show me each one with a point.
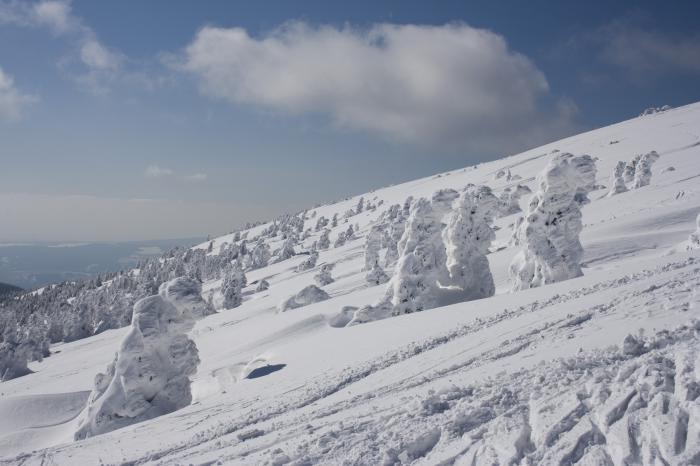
(550, 232)
(150, 373)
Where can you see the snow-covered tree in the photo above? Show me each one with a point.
(334, 220)
(376, 275)
(509, 200)
(285, 252)
(324, 241)
(309, 295)
(617, 180)
(550, 232)
(323, 277)
(694, 239)
(421, 267)
(350, 233)
(340, 240)
(150, 374)
(642, 171)
(392, 238)
(360, 205)
(467, 238)
(232, 285)
(308, 263)
(373, 244)
(630, 169)
(259, 256)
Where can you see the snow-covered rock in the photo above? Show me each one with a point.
(150, 373)
(309, 295)
(550, 232)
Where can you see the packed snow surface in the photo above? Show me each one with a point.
(598, 367)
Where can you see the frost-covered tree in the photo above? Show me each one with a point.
(694, 239)
(550, 232)
(15, 352)
(308, 263)
(323, 277)
(421, 267)
(324, 241)
(334, 220)
(617, 180)
(259, 256)
(150, 374)
(360, 205)
(340, 240)
(392, 238)
(232, 285)
(405, 210)
(285, 252)
(467, 238)
(309, 295)
(376, 275)
(630, 169)
(350, 233)
(509, 200)
(642, 171)
(373, 244)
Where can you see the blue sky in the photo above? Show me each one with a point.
(161, 119)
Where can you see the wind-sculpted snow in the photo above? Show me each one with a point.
(550, 232)
(150, 373)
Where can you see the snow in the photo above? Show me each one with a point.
(603, 368)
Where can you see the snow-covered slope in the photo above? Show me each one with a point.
(540, 376)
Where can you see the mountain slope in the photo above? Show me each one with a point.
(539, 376)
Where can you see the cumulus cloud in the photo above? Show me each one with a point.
(156, 171)
(450, 85)
(12, 101)
(648, 53)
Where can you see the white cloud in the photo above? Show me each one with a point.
(97, 57)
(156, 171)
(450, 85)
(196, 177)
(12, 101)
(55, 14)
(98, 65)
